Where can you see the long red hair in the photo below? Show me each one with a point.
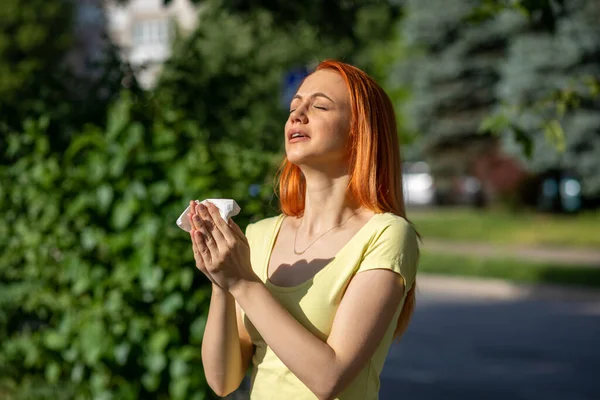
(374, 160)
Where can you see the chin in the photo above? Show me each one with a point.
(297, 158)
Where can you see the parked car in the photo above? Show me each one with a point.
(418, 185)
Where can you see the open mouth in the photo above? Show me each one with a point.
(297, 135)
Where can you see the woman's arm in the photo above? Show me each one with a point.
(226, 347)
(359, 326)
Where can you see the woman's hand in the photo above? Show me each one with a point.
(221, 249)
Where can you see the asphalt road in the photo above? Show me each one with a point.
(490, 344)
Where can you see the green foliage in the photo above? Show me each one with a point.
(511, 269)
(542, 14)
(504, 227)
(549, 92)
(54, 65)
(533, 82)
(99, 294)
(334, 21)
(228, 75)
(99, 297)
(32, 37)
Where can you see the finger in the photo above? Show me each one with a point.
(196, 249)
(203, 248)
(194, 244)
(208, 240)
(237, 231)
(193, 210)
(208, 215)
(196, 221)
(200, 264)
(221, 223)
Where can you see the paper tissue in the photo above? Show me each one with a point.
(227, 207)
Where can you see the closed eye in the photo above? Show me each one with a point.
(321, 108)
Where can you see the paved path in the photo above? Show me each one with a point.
(494, 340)
(555, 255)
(474, 339)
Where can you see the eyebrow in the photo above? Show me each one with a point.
(317, 94)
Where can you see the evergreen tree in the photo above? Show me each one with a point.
(540, 81)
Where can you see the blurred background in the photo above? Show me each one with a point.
(114, 114)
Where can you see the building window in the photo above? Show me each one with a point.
(151, 31)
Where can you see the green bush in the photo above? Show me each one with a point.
(99, 296)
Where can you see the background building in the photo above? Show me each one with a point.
(144, 29)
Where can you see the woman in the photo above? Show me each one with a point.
(314, 296)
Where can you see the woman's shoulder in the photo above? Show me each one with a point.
(262, 226)
(389, 226)
(392, 221)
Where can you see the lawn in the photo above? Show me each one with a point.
(524, 228)
(510, 269)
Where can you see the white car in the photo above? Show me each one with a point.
(417, 183)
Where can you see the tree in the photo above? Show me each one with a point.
(549, 88)
(451, 72)
(465, 68)
(99, 297)
(46, 69)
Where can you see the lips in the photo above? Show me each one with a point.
(293, 132)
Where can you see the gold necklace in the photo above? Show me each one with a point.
(320, 236)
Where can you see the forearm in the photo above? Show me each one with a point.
(308, 357)
(221, 351)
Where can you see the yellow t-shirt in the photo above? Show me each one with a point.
(386, 241)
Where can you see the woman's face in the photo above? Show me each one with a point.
(321, 113)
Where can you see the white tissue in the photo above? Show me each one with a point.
(227, 207)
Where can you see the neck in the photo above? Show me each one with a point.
(327, 201)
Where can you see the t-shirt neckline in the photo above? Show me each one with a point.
(275, 234)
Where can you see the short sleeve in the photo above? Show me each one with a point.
(394, 247)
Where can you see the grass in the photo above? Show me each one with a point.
(509, 269)
(525, 228)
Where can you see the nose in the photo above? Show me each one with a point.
(299, 115)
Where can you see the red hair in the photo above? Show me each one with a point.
(374, 159)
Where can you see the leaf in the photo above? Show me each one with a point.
(159, 192)
(523, 139)
(91, 139)
(156, 362)
(178, 387)
(495, 124)
(187, 277)
(171, 304)
(55, 341)
(122, 352)
(197, 328)
(159, 341)
(178, 368)
(52, 372)
(92, 335)
(555, 134)
(150, 381)
(118, 118)
(105, 195)
(124, 212)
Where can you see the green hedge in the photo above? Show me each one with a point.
(99, 296)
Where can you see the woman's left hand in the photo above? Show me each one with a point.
(223, 247)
